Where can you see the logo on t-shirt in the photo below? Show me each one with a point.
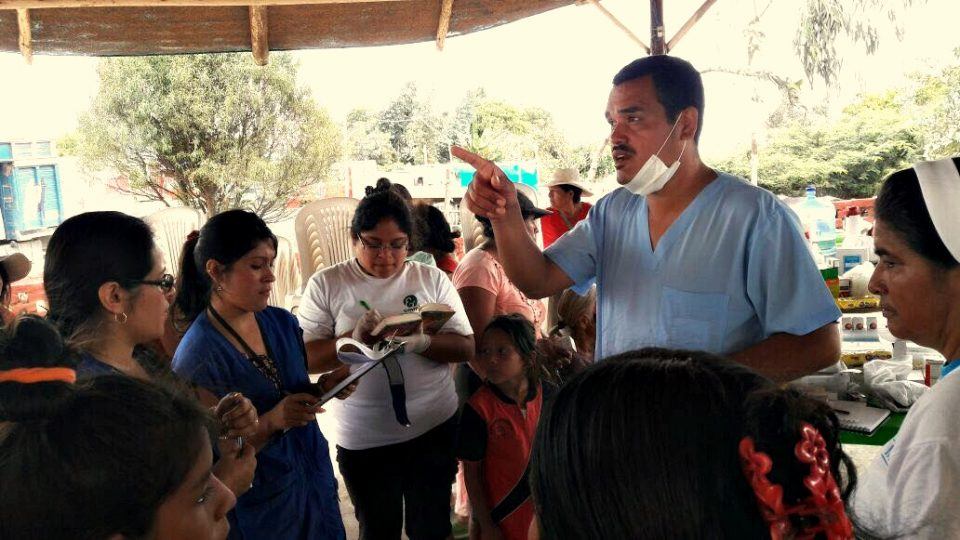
(410, 302)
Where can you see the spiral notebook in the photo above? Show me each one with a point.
(858, 416)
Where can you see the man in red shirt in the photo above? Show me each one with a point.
(566, 209)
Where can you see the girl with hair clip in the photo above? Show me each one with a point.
(497, 426)
(109, 292)
(660, 443)
(911, 489)
(236, 342)
(114, 458)
(397, 432)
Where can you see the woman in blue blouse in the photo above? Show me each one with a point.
(237, 343)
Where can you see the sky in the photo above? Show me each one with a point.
(562, 61)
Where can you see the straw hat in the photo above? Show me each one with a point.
(568, 177)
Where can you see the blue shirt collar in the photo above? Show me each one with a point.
(951, 365)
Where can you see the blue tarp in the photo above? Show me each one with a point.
(517, 172)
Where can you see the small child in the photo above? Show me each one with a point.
(497, 428)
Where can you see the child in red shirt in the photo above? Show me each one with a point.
(497, 428)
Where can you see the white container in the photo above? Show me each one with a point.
(850, 258)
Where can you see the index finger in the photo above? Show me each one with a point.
(472, 159)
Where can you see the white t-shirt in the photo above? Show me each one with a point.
(331, 306)
(912, 489)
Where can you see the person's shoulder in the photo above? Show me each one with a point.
(932, 418)
(616, 199)
(736, 190)
(480, 399)
(196, 341)
(424, 271)
(474, 257)
(89, 367)
(279, 316)
(334, 273)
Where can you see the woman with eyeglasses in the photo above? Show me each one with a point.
(236, 342)
(397, 431)
(108, 292)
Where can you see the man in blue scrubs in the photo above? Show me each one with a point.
(684, 256)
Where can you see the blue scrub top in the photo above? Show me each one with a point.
(294, 494)
(732, 270)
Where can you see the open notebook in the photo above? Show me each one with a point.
(858, 416)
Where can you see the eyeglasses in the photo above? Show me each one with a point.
(395, 247)
(166, 282)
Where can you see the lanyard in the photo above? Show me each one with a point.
(264, 363)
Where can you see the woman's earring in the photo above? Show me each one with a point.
(219, 288)
(121, 317)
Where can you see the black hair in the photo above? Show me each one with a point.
(526, 208)
(225, 238)
(646, 445)
(574, 190)
(434, 230)
(399, 189)
(677, 82)
(383, 202)
(524, 339)
(92, 460)
(901, 206)
(85, 252)
(5, 288)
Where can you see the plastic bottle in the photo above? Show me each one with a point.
(818, 218)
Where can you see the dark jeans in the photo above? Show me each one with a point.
(411, 478)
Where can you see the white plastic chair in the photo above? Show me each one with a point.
(470, 229)
(323, 234)
(286, 268)
(170, 229)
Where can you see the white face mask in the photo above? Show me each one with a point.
(655, 174)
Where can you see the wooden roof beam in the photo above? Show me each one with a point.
(61, 4)
(443, 28)
(259, 35)
(26, 39)
(689, 24)
(615, 21)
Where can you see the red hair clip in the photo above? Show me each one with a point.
(193, 235)
(824, 503)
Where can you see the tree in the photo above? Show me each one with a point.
(847, 158)
(936, 107)
(416, 131)
(364, 139)
(822, 22)
(503, 132)
(210, 131)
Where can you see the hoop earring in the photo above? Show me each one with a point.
(121, 317)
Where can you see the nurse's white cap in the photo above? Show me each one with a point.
(940, 185)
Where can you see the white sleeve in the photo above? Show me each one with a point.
(314, 313)
(913, 495)
(447, 294)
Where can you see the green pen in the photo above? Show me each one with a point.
(365, 305)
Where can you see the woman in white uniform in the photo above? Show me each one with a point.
(912, 488)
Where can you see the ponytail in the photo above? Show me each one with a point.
(193, 286)
(30, 343)
(774, 419)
